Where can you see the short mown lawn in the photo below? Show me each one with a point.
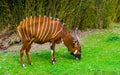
(100, 56)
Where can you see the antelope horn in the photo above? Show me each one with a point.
(76, 35)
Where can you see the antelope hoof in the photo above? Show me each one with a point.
(31, 64)
(23, 65)
(53, 61)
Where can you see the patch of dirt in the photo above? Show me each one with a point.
(33, 47)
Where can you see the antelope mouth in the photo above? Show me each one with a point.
(77, 56)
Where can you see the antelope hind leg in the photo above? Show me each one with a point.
(28, 55)
(22, 55)
(24, 47)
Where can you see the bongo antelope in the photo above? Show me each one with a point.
(42, 29)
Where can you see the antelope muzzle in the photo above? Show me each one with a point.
(77, 56)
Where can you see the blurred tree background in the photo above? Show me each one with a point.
(83, 14)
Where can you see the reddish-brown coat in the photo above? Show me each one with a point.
(44, 29)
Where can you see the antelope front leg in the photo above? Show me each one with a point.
(52, 53)
(24, 47)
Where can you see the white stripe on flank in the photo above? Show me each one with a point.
(31, 26)
(52, 28)
(38, 27)
(24, 29)
(27, 29)
(55, 29)
(45, 27)
(19, 33)
(57, 33)
(34, 26)
(45, 34)
(41, 31)
(20, 22)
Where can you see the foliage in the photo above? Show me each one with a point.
(100, 56)
(75, 13)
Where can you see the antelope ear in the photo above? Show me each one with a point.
(76, 35)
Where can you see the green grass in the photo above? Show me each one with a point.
(100, 56)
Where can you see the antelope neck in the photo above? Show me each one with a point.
(68, 40)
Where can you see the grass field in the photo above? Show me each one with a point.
(100, 56)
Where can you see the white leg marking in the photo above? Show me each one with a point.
(51, 52)
(38, 26)
(23, 65)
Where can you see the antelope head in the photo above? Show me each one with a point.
(76, 50)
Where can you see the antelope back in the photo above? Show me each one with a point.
(41, 28)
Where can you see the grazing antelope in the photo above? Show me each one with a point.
(42, 29)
